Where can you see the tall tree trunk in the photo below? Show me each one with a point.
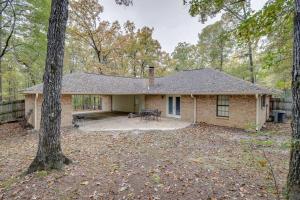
(1, 93)
(1, 97)
(293, 183)
(134, 71)
(100, 61)
(49, 154)
(143, 69)
(250, 50)
(251, 65)
(222, 58)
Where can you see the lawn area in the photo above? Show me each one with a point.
(200, 162)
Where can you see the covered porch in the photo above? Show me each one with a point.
(119, 121)
(110, 113)
(107, 103)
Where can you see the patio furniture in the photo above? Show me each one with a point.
(149, 114)
(77, 119)
(158, 115)
(133, 115)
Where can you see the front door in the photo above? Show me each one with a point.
(173, 106)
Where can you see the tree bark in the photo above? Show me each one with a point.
(49, 154)
(221, 57)
(250, 50)
(1, 97)
(293, 182)
(251, 65)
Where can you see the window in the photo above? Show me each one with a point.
(263, 101)
(177, 105)
(223, 106)
(86, 102)
(173, 106)
(170, 105)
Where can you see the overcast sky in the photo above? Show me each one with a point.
(170, 19)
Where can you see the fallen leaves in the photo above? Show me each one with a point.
(202, 162)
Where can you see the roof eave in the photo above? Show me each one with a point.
(155, 93)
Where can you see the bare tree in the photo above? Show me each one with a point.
(7, 27)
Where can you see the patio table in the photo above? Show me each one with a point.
(149, 113)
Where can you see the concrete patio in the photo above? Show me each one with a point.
(119, 122)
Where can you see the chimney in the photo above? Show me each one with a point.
(151, 76)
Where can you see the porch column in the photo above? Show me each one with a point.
(257, 96)
(36, 111)
(195, 109)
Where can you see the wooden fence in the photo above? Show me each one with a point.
(12, 111)
(284, 104)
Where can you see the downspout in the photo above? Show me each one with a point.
(36, 111)
(195, 108)
(111, 103)
(257, 112)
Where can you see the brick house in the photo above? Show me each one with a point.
(204, 95)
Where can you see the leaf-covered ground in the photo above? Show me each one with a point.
(200, 162)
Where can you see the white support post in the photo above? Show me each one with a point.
(257, 112)
(195, 108)
(36, 111)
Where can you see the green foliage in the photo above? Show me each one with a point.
(156, 178)
(286, 145)
(214, 45)
(42, 173)
(268, 31)
(23, 65)
(209, 8)
(8, 183)
(266, 20)
(186, 56)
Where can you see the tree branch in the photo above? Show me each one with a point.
(239, 17)
(11, 32)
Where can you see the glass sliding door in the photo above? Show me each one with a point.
(173, 106)
(177, 106)
(170, 105)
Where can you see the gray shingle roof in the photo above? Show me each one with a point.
(202, 81)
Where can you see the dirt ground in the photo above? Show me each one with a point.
(200, 162)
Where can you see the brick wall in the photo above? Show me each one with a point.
(187, 108)
(29, 105)
(67, 110)
(156, 102)
(106, 103)
(242, 111)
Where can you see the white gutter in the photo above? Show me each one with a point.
(257, 112)
(195, 108)
(36, 111)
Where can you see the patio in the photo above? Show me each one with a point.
(120, 122)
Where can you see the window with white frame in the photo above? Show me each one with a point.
(173, 106)
(222, 106)
(263, 101)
